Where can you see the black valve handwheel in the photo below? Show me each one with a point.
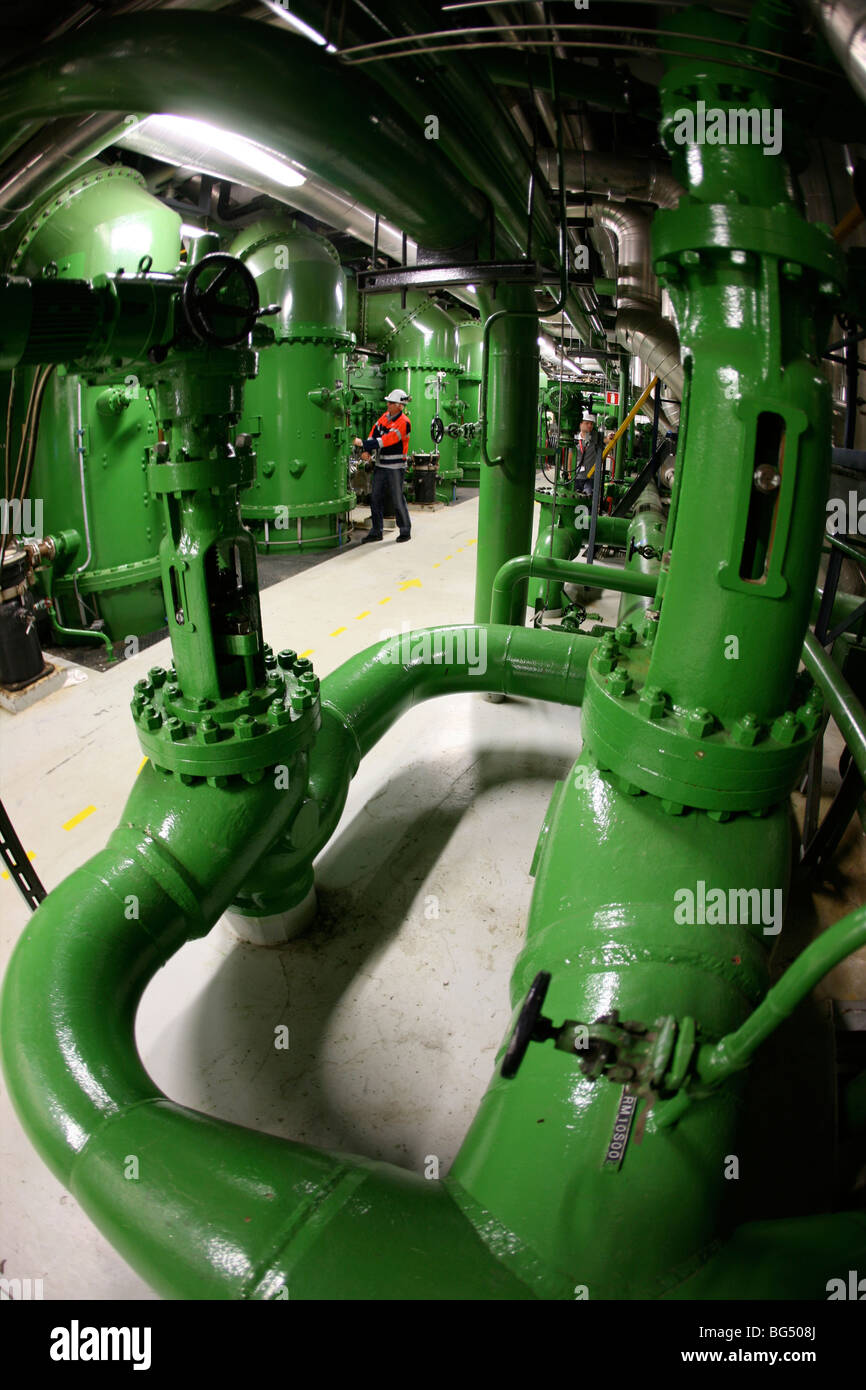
(530, 1027)
(437, 430)
(220, 289)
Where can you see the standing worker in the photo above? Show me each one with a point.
(587, 454)
(390, 442)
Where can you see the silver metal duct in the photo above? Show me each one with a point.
(618, 177)
(844, 25)
(55, 153)
(640, 328)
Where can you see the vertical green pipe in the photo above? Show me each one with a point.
(506, 493)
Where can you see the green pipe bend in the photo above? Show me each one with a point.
(567, 571)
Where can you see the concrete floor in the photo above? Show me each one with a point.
(398, 999)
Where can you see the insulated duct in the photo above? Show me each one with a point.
(844, 26)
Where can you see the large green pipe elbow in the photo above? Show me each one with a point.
(200, 1208)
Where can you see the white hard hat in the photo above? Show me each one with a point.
(398, 395)
(587, 415)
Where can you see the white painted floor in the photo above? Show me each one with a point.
(394, 1013)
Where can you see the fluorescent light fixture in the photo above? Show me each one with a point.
(207, 149)
(471, 289)
(305, 30)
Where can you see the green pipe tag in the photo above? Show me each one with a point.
(621, 1130)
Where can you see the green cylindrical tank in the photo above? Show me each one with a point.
(469, 339)
(89, 462)
(420, 341)
(295, 408)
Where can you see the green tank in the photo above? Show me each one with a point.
(89, 463)
(296, 408)
(469, 352)
(420, 341)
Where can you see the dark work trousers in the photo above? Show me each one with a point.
(388, 485)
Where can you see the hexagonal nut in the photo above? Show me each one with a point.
(787, 728)
(810, 718)
(245, 698)
(690, 258)
(302, 699)
(746, 730)
(287, 658)
(279, 716)
(143, 687)
(172, 691)
(208, 731)
(276, 680)
(176, 729)
(245, 726)
(620, 683)
(157, 676)
(653, 703)
(605, 663)
(700, 723)
(310, 680)
(626, 635)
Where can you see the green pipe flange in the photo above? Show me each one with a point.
(317, 333)
(255, 730)
(779, 232)
(687, 757)
(115, 577)
(299, 509)
(402, 364)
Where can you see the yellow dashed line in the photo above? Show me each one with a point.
(449, 557)
(141, 765)
(337, 631)
(359, 616)
(437, 566)
(385, 600)
(472, 542)
(308, 652)
(30, 855)
(82, 815)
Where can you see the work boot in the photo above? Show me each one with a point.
(403, 538)
(370, 537)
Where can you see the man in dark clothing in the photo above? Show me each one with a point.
(389, 440)
(587, 454)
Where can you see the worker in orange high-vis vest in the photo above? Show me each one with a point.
(389, 442)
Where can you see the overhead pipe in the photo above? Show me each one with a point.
(844, 25)
(619, 176)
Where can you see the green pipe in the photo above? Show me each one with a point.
(300, 101)
(843, 704)
(366, 695)
(509, 393)
(619, 459)
(563, 540)
(74, 634)
(569, 572)
(720, 1060)
(215, 1210)
(646, 532)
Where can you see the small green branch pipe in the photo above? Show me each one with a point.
(72, 634)
(562, 533)
(508, 401)
(566, 571)
(719, 1060)
(843, 704)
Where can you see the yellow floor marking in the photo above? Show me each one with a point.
(359, 616)
(472, 542)
(308, 652)
(30, 855)
(82, 815)
(437, 566)
(385, 600)
(449, 557)
(141, 765)
(337, 631)
(410, 584)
